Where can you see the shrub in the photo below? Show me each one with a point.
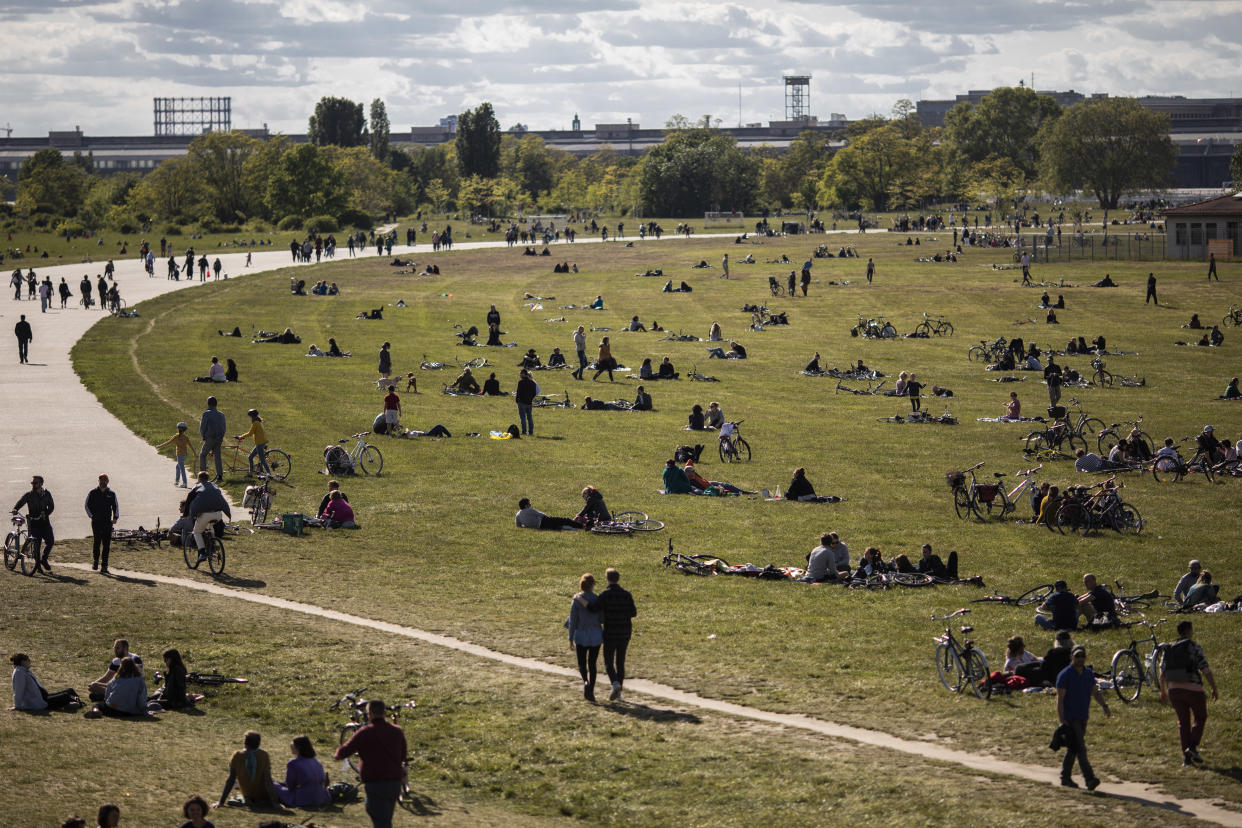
(70, 226)
(321, 224)
(290, 223)
(356, 218)
(171, 230)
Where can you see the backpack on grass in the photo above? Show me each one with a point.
(336, 460)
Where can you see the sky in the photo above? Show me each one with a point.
(98, 65)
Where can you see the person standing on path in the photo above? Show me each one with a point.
(1183, 669)
(184, 449)
(1151, 290)
(381, 749)
(525, 396)
(103, 510)
(25, 336)
(1212, 267)
(580, 347)
(212, 427)
(1075, 687)
(724, 264)
(870, 270)
(45, 295)
(39, 507)
(585, 633)
(385, 361)
(616, 608)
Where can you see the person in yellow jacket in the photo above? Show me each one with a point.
(184, 448)
(260, 442)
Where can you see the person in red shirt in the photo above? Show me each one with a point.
(380, 746)
(338, 514)
(392, 411)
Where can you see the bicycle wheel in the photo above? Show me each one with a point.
(1035, 441)
(215, 555)
(1000, 505)
(975, 667)
(259, 513)
(911, 579)
(945, 329)
(370, 460)
(1127, 675)
(1073, 518)
(976, 353)
(1127, 520)
(1103, 378)
(1230, 320)
(612, 529)
(976, 508)
(647, 525)
(1092, 426)
(949, 667)
(347, 733)
(1075, 442)
(1105, 441)
(922, 329)
(725, 449)
(189, 551)
(1036, 595)
(279, 463)
(741, 448)
(961, 502)
(1167, 469)
(28, 560)
(888, 331)
(1205, 466)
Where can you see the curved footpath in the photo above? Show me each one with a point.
(1139, 794)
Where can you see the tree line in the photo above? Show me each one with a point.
(1014, 142)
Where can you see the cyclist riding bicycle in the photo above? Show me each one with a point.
(206, 504)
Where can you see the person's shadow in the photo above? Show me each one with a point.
(234, 581)
(420, 805)
(652, 714)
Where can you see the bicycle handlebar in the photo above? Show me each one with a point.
(1029, 472)
(962, 611)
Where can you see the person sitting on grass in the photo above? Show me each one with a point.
(556, 359)
(334, 350)
(675, 481)
(215, 373)
(465, 383)
(1216, 337)
(812, 367)
(1016, 655)
(1203, 593)
(491, 386)
(530, 360)
(1013, 409)
(493, 335)
(828, 562)
(251, 770)
(173, 696)
(800, 489)
(28, 692)
(715, 416)
(642, 400)
(704, 485)
(1097, 604)
(195, 810)
(635, 325)
(1059, 611)
(872, 563)
(696, 420)
(713, 333)
(306, 782)
(1048, 506)
(594, 511)
(126, 694)
(667, 371)
(339, 514)
(930, 563)
(1194, 322)
(1231, 390)
(1209, 444)
(736, 351)
(645, 371)
(313, 351)
(529, 517)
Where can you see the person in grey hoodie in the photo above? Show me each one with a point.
(212, 428)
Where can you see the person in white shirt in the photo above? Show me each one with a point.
(28, 692)
(529, 517)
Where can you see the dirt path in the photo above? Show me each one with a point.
(1137, 793)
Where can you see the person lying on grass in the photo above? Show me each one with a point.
(704, 485)
(528, 517)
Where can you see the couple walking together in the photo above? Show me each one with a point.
(596, 620)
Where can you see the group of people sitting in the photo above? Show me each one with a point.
(322, 288)
(830, 563)
(665, 371)
(334, 350)
(565, 267)
(220, 373)
(686, 480)
(642, 402)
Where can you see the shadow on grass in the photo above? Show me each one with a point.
(64, 579)
(652, 714)
(1234, 773)
(126, 579)
(245, 583)
(420, 805)
(545, 437)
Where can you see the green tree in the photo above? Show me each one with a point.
(371, 186)
(259, 169)
(436, 194)
(694, 171)
(172, 192)
(796, 172)
(998, 181)
(305, 183)
(476, 193)
(478, 142)
(46, 184)
(103, 195)
(865, 172)
(427, 164)
(534, 166)
(379, 130)
(677, 121)
(337, 121)
(221, 159)
(1109, 146)
(1003, 125)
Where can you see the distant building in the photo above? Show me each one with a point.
(1194, 230)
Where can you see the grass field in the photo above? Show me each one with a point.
(438, 549)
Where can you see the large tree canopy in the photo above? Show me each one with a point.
(695, 171)
(379, 129)
(872, 170)
(1109, 146)
(46, 184)
(221, 159)
(478, 142)
(1003, 125)
(337, 121)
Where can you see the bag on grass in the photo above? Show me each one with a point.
(336, 460)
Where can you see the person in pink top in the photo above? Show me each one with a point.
(1013, 409)
(338, 514)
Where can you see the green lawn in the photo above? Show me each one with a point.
(438, 549)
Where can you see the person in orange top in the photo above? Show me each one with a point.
(184, 448)
(260, 442)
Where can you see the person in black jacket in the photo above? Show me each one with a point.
(39, 507)
(102, 509)
(525, 396)
(616, 608)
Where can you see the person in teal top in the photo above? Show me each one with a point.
(675, 480)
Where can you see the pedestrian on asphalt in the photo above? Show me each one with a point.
(184, 449)
(39, 507)
(870, 270)
(45, 295)
(1183, 669)
(212, 427)
(579, 346)
(616, 608)
(1212, 267)
(1151, 290)
(103, 510)
(1075, 687)
(585, 633)
(525, 396)
(216, 267)
(385, 361)
(380, 746)
(24, 338)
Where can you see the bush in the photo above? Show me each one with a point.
(290, 223)
(356, 218)
(207, 224)
(70, 226)
(321, 224)
(171, 230)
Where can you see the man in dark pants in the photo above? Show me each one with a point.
(212, 427)
(102, 509)
(1075, 687)
(525, 396)
(580, 346)
(24, 336)
(381, 750)
(1212, 267)
(806, 275)
(1151, 289)
(616, 606)
(39, 507)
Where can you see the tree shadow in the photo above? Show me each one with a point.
(652, 714)
(420, 805)
(244, 583)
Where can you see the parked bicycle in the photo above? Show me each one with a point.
(1233, 317)
(1026, 486)
(259, 500)
(1057, 438)
(356, 706)
(19, 548)
(1108, 437)
(1085, 426)
(983, 500)
(961, 664)
(1173, 469)
(364, 455)
(732, 447)
(875, 328)
(1100, 376)
(988, 352)
(933, 326)
(1131, 668)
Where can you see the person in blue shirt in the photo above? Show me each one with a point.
(675, 480)
(586, 633)
(1075, 687)
(1060, 610)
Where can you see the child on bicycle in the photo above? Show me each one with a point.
(184, 448)
(260, 442)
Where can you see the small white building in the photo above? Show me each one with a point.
(1194, 230)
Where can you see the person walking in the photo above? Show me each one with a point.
(184, 448)
(604, 361)
(579, 346)
(616, 608)
(724, 265)
(24, 337)
(1151, 290)
(45, 295)
(870, 270)
(385, 361)
(381, 749)
(212, 427)
(1075, 688)
(103, 510)
(39, 507)
(525, 396)
(1183, 669)
(806, 276)
(585, 633)
(1212, 267)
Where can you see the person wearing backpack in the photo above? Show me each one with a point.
(1183, 670)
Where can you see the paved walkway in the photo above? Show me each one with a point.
(1146, 795)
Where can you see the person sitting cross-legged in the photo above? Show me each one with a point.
(830, 561)
(338, 514)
